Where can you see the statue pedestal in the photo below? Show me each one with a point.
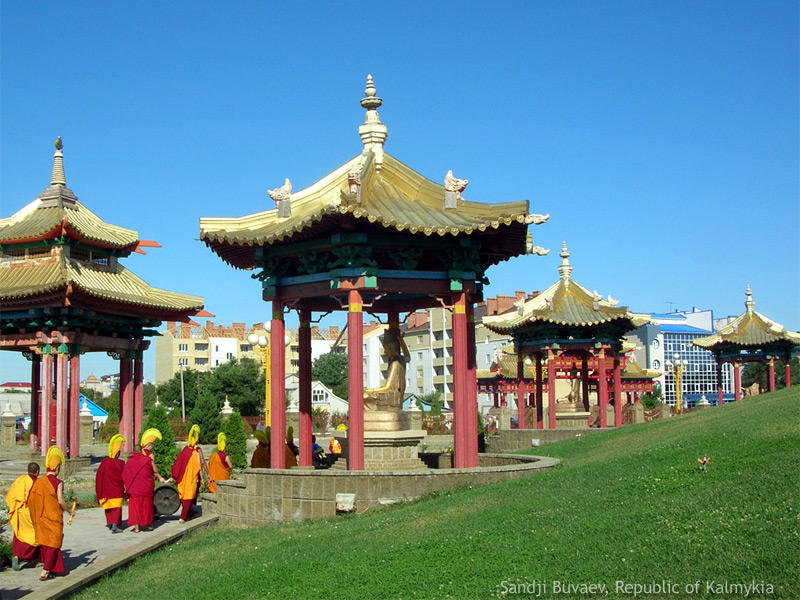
(8, 432)
(387, 450)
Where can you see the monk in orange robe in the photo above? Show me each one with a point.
(188, 473)
(19, 515)
(139, 475)
(109, 486)
(220, 466)
(47, 506)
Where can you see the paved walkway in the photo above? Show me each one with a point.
(90, 551)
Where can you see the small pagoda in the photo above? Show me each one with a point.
(376, 236)
(751, 337)
(576, 334)
(64, 292)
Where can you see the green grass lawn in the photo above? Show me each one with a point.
(629, 505)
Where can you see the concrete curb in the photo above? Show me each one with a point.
(76, 580)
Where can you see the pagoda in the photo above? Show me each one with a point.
(572, 331)
(751, 337)
(374, 235)
(64, 292)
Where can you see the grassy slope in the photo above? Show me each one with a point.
(629, 504)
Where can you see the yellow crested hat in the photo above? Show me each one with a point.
(194, 435)
(115, 443)
(261, 436)
(55, 458)
(150, 436)
(222, 441)
(341, 427)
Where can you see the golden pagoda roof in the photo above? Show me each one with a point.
(750, 329)
(373, 186)
(57, 212)
(116, 284)
(566, 302)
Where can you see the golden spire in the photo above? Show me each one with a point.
(373, 133)
(565, 270)
(749, 303)
(58, 177)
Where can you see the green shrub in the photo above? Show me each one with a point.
(651, 400)
(206, 416)
(6, 552)
(337, 419)
(319, 419)
(108, 429)
(234, 429)
(164, 449)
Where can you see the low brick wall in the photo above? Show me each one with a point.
(514, 440)
(267, 495)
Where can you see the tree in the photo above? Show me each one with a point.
(164, 449)
(758, 372)
(169, 393)
(233, 428)
(109, 403)
(651, 400)
(330, 369)
(435, 400)
(206, 416)
(242, 382)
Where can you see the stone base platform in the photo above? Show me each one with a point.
(386, 450)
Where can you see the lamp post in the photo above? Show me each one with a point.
(678, 366)
(260, 345)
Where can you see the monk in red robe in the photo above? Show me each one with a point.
(47, 506)
(109, 486)
(220, 465)
(19, 515)
(260, 458)
(139, 479)
(188, 473)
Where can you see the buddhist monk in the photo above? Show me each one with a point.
(19, 515)
(220, 465)
(108, 484)
(47, 506)
(260, 459)
(139, 479)
(188, 473)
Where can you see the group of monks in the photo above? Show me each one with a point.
(36, 504)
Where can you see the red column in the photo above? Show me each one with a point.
(46, 402)
(521, 408)
(720, 389)
(74, 405)
(277, 343)
(461, 425)
(539, 392)
(355, 383)
(304, 374)
(472, 385)
(771, 373)
(36, 395)
(126, 402)
(496, 397)
(585, 381)
(551, 388)
(788, 372)
(602, 391)
(62, 397)
(138, 394)
(737, 382)
(617, 392)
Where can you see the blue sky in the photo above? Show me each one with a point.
(662, 138)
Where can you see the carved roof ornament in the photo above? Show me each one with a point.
(283, 198)
(453, 186)
(565, 270)
(354, 179)
(58, 177)
(373, 132)
(750, 304)
(530, 248)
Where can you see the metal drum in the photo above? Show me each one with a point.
(166, 500)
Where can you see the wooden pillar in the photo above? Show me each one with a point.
(720, 388)
(461, 413)
(496, 397)
(551, 388)
(788, 372)
(585, 381)
(602, 388)
(737, 381)
(521, 408)
(617, 391)
(36, 396)
(771, 373)
(62, 397)
(138, 394)
(277, 343)
(74, 406)
(126, 402)
(304, 375)
(539, 392)
(355, 383)
(472, 386)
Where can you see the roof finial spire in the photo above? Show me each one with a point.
(58, 177)
(565, 270)
(373, 133)
(749, 303)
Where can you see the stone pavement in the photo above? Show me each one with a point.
(90, 551)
